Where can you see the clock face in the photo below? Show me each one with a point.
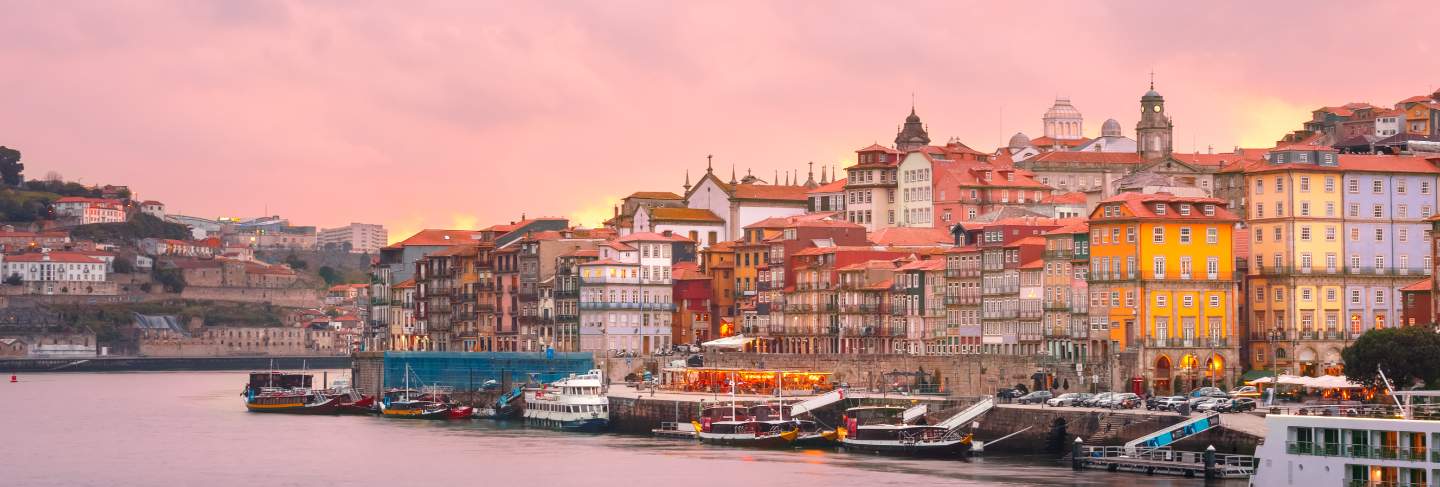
(1156, 108)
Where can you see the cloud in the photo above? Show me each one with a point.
(332, 112)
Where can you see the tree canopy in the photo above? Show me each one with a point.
(1407, 354)
(10, 166)
(139, 226)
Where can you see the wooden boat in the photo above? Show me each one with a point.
(757, 426)
(291, 402)
(813, 435)
(881, 430)
(363, 405)
(414, 409)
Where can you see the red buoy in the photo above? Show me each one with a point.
(13, 379)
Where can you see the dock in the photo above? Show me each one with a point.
(1163, 461)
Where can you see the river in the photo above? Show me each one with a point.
(191, 428)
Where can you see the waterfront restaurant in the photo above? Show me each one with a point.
(748, 381)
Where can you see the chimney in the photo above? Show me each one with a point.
(667, 233)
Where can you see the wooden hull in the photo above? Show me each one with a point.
(435, 413)
(330, 406)
(932, 449)
(781, 440)
(364, 406)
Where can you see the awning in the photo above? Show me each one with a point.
(732, 342)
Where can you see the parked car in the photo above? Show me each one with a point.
(1215, 394)
(1008, 393)
(1094, 401)
(1245, 391)
(1236, 405)
(1035, 397)
(1205, 391)
(1209, 403)
(1068, 399)
(1128, 400)
(1163, 403)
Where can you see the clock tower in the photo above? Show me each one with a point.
(1153, 135)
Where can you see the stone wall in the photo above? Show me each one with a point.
(367, 370)
(963, 375)
(294, 297)
(1055, 428)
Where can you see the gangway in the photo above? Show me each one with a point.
(914, 413)
(1176, 432)
(969, 414)
(509, 396)
(817, 402)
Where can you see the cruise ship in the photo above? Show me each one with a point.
(575, 403)
(1353, 446)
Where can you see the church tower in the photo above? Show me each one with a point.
(1155, 131)
(912, 134)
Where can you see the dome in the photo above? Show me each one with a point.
(1019, 141)
(1062, 109)
(913, 118)
(1110, 129)
(1153, 94)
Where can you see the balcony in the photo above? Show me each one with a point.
(860, 308)
(799, 308)
(623, 305)
(1059, 254)
(1188, 342)
(1057, 306)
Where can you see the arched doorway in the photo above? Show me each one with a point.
(1162, 376)
(1189, 371)
(1308, 362)
(1214, 370)
(1332, 363)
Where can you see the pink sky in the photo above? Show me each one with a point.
(463, 114)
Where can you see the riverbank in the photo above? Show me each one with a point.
(135, 364)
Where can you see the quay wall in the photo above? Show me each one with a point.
(127, 364)
(965, 375)
(1053, 429)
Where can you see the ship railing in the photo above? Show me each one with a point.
(1223, 461)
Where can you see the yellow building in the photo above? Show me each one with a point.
(1162, 280)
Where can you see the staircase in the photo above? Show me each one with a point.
(1110, 424)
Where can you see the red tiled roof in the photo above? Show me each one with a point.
(684, 214)
(606, 262)
(885, 284)
(405, 284)
(1033, 240)
(911, 236)
(1420, 285)
(687, 271)
(880, 264)
(1305, 147)
(1073, 228)
(877, 147)
(1087, 157)
(431, 237)
(924, 265)
(1072, 198)
(1051, 142)
(652, 237)
(963, 250)
(1357, 162)
(654, 195)
(58, 256)
(835, 186)
(1034, 264)
(770, 192)
(1142, 205)
(1415, 99)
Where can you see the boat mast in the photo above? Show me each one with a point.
(733, 386)
(780, 392)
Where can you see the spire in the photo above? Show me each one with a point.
(810, 180)
(777, 177)
(1152, 78)
(687, 181)
(708, 169)
(823, 179)
(787, 178)
(732, 174)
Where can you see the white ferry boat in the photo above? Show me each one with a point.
(576, 403)
(1353, 446)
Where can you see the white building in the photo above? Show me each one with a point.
(86, 211)
(1388, 122)
(59, 273)
(915, 180)
(700, 225)
(199, 227)
(153, 208)
(741, 203)
(1063, 121)
(364, 238)
(625, 295)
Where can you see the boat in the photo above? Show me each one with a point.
(280, 392)
(757, 426)
(814, 435)
(1352, 445)
(431, 402)
(575, 403)
(506, 406)
(883, 430)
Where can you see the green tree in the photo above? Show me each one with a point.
(295, 262)
(123, 265)
(330, 275)
(1406, 354)
(172, 279)
(10, 166)
(13, 279)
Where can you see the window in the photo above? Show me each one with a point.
(1214, 300)
(1279, 294)
(1304, 184)
(1354, 261)
(1354, 234)
(1305, 261)
(1377, 211)
(1402, 234)
(1184, 209)
(1330, 294)
(1355, 210)
(1212, 235)
(1330, 261)
(1305, 233)
(1130, 234)
(1158, 235)
(1259, 210)
(1329, 184)
(1355, 296)
(1329, 208)
(1209, 210)
(1160, 301)
(1259, 185)
(1352, 185)
(1212, 267)
(1400, 186)
(1379, 234)
(1377, 186)
(1279, 209)
(1259, 235)
(1185, 235)
(1402, 211)
(1304, 208)
(1305, 294)
(1187, 301)
(1330, 233)
(1424, 187)
(1379, 297)
(1379, 262)
(1279, 184)
(1259, 294)
(1159, 267)
(1279, 233)
(1159, 208)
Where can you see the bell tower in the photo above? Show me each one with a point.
(1154, 133)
